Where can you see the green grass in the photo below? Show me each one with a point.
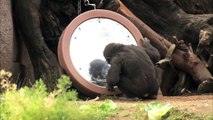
(36, 104)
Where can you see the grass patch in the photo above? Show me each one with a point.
(37, 104)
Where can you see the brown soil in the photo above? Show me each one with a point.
(199, 104)
(202, 104)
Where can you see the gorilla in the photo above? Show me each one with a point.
(132, 71)
(98, 71)
(151, 51)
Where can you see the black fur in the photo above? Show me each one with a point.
(131, 70)
(151, 51)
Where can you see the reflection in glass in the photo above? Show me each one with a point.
(88, 42)
(98, 71)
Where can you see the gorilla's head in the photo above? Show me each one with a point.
(98, 71)
(111, 50)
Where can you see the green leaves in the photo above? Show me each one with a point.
(63, 91)
(107, 108)
(36, 103)
(156, 110)
(64, 83)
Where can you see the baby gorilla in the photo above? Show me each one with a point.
(131, 70)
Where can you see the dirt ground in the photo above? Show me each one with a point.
(202, 104)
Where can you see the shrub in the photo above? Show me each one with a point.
(37, 104)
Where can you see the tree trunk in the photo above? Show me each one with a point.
(168, 19)
(28, 24)
(196, 6)
(6, 35)
(8, 45)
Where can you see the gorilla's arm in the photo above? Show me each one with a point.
(113, 75)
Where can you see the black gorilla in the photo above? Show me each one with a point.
(131, 70)
(151, 51)
(154, 56)
(98, 71)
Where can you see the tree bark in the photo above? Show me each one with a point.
(9, 47)
(183, 59)
(195, 6)
(28, 23)
(168, 19)
(6, 35)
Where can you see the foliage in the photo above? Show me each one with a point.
(4, 81)
(36, 104)
(156, 110)
(107, 108)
